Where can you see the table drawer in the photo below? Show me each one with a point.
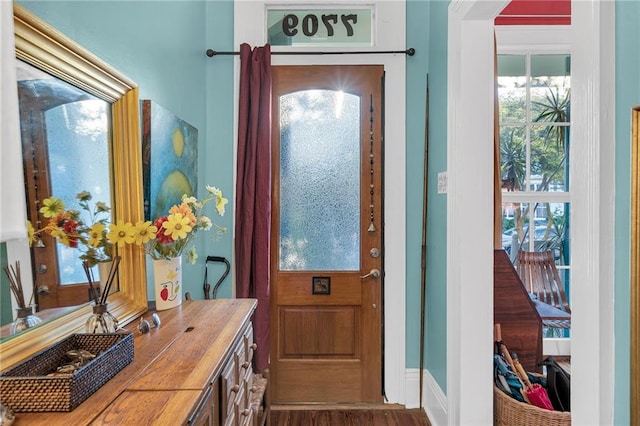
(229, 385)
(242, 409)
(237, 381)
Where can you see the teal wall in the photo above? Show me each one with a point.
(437, 214)
(627, 95)
(427, 32)
(417, 65)
(6, 312)
(161, 44)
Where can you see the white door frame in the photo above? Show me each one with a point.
(469, 237)
(390, 35)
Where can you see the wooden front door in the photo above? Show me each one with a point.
(327, 234)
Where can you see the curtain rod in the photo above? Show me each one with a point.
(410, 52)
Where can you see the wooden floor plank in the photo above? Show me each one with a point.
(359, 417)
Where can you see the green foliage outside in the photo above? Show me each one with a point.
(549, 148)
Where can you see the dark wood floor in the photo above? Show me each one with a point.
(360, 417)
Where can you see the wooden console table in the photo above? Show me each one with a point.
(194, 369)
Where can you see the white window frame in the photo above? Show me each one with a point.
(537, 40)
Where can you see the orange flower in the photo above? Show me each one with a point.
(185, 211)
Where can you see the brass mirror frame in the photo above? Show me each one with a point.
(635, 266)
(46, 48)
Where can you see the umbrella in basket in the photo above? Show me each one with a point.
(535, 393)
(505, 372)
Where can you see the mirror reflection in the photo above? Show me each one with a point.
(65, 135)
(65, 143)
(49, 50)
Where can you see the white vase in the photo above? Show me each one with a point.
(168, 282)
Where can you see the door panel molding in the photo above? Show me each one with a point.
(319, 332)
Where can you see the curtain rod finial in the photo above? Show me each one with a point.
(211, 53)
(411, 51)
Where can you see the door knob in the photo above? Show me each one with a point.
(373, 273)
(43, 289)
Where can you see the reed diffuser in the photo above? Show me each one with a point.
(25, 318)
(101, 320)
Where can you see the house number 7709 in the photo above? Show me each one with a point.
(310, 24)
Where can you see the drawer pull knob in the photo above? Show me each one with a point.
(235, 388)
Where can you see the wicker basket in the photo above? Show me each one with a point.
(510, 412)
(26, 387)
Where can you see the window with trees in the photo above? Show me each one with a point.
(534, 111)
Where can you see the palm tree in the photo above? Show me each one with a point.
(513, 158)
(556, 109)
(546, 144)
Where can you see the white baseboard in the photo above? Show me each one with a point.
(412, 388)
(434, 401)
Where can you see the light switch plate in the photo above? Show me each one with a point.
(442, 183)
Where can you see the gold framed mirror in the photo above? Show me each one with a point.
(44, 47)
(635, 267)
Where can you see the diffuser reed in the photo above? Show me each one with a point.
(15, 283)
(98, 295)
(101, 321)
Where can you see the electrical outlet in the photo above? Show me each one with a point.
(442, 183)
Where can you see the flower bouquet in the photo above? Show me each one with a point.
(88, 230)
(168, 237)
(69, 228)
(164, 239)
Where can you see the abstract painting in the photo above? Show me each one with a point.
(169, 159)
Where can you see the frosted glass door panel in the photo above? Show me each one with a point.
(319, 181)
